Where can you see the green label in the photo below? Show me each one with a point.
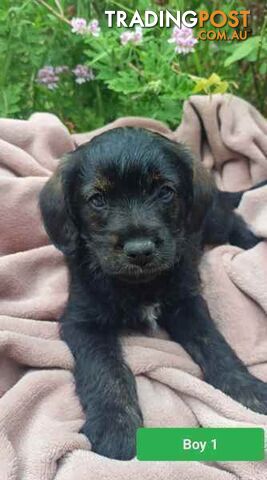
(197, 444)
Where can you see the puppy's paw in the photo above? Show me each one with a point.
(254, 396)
(114, 436)
(249, 240)
(248, 390)
(242, 236)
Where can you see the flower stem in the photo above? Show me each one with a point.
(54, 12)
(197, 63)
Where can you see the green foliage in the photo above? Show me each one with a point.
(247, 50)
(147, 79)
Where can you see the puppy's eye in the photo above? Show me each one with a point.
(98, 201)
(166, 194)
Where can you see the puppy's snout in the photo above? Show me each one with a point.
(139, 251)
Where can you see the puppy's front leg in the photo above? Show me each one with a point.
(192, 327)
(106, 388)
(222, 224)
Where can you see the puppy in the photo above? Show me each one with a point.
(131, 211)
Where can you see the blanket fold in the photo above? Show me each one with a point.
(40, 414)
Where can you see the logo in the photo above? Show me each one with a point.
(216, 25)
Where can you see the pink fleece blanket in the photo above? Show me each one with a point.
(40, 415)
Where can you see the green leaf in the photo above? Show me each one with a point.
(126, 82)
(9, 100)
(263, 68)
(243, 50)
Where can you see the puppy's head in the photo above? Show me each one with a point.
(127, 201)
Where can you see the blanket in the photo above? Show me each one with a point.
(40, 414)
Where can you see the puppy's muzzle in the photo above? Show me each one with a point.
(139, 251)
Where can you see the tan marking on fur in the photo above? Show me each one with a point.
(103, 184)
(156, 176)
(114, 239)
(202, 176)
(204, 186)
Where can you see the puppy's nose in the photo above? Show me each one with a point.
(139, 251)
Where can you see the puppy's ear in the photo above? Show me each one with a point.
(54, 206)
(203, 192)
(200, 188)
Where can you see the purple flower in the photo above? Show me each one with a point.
(137, 35)
(184, 40)
(93, 28)
(83, 74)
(125, 37)
(79, 25)
(48, 76)
(134, 37)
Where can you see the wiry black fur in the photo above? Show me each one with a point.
(151, 190)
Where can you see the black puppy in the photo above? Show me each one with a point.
(131, 210)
